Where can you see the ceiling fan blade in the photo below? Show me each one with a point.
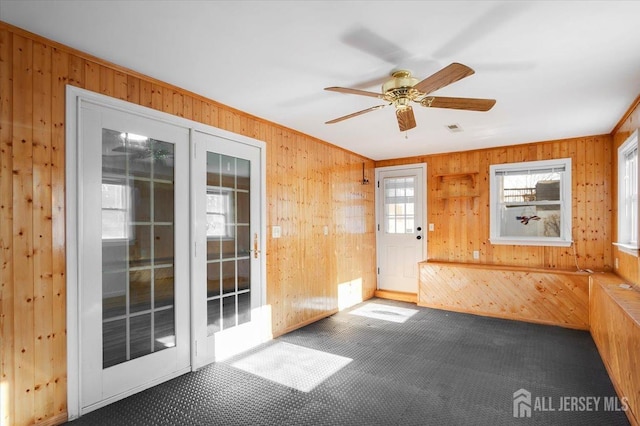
(444, 77)
(406, 119)
(469, 104)
(355, 114)
(487, 23)
(367, 41)
(376, 81)
(355, 92)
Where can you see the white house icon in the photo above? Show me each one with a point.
(522, 403)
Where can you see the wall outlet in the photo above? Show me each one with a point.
(325, 230)
(476, 254)
(431, 227)
(276, 232)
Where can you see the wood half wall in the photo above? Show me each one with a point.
(310, 184)
(542, 296)
(615, 328)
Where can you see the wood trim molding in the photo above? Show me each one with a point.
(634, 105)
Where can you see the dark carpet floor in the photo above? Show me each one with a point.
(436, 368)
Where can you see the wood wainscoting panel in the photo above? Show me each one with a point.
(526, 294)
(615, 328)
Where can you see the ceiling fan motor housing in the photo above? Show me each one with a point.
(399, 90)
(401, 79)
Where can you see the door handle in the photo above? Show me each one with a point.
(255, 246)
(419, 237)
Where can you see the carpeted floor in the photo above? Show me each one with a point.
(390, 363)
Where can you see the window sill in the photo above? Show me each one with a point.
(530, 242)
(631, 249)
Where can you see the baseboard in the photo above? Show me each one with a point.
(54, 421)
(304, 323)
(396, 295)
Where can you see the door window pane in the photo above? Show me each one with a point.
(228, 242)
(399, 205)
(137, 246)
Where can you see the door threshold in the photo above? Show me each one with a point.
(400, 296)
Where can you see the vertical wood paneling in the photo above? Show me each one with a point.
(7, 313)
(146, 91)
(462, 225)
(91, 76)
(22, 159)
(61, 69)
(42, 232)
(133, 90)
(107, 83)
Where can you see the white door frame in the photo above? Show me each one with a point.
(379, 215)
(74, 98)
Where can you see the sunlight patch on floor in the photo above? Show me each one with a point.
(384, 312)
(292, 365)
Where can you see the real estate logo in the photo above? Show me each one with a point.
(521, 403)
(524, 404)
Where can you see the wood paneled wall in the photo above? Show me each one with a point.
(628, 265)
(615, 328)
(525, 294)
(310, 185)
(462, 224)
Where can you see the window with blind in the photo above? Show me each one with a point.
(531, 203)
(628, 195)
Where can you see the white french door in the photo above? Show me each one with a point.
(165, 247)
(133, 253)
(400, 216)
(228, 263)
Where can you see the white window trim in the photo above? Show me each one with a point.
(623, 244)
(565, 239)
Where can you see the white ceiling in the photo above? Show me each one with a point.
(557, 69)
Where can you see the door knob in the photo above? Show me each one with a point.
(419, 237)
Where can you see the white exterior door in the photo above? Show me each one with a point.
(229, 292)
(400, 215)
(133, 253)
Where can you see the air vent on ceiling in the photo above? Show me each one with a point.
(454, 128)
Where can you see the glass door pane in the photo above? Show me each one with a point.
(228, 242)
(138, 256)
(399, 205)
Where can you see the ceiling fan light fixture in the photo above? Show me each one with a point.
(402, 102)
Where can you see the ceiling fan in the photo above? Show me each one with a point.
(402, 89)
